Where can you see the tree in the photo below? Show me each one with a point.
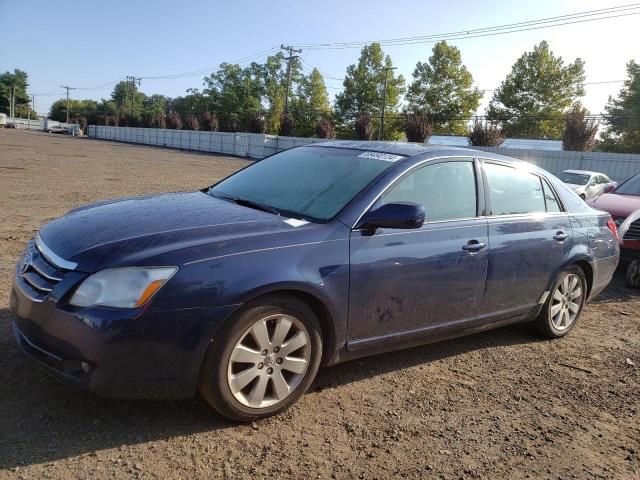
(363, 127)
(362, 94)
(153, 111)
(274, 81)
(234, 93)
(311, 103)
(20, 80)
(532, 100)
(622, 133)
(324, 128)
(443, 88)
(418, 127)
(173, 120)
(580, 131)
(485, 134)
(77, 108)
(209, 122)
(128, 100)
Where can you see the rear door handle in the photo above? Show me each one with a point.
(560, 236)
(473, 246)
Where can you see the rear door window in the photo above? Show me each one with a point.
(550, 199)
(513, 191)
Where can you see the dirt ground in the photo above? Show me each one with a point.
(502, 404)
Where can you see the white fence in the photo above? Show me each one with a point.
(618, 166)
(254, 145)
(524, 143)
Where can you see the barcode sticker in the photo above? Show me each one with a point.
(387, 157)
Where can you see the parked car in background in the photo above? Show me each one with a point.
(315, 255)
(62, 129)
(587, 184)
(621, 203)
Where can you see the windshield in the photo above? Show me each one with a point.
(630, 187)
(309, 182)
(574, 178)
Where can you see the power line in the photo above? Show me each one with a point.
(195, 73)
(548, 22)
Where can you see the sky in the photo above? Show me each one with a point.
(90, 44)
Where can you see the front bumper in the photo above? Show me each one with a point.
(139, 353)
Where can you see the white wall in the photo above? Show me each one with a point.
(618, 166)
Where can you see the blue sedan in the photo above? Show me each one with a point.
(313, 256)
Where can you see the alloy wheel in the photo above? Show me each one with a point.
(269, 361)
(566, 301)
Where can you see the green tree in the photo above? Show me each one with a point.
(532, 100)
(77, 109)
(234, 93)
(622, 133)
(20, 80)
(274, 81)
(154, 109)
(363, 88)
(128, 99)
(311, 103)
(443, 89)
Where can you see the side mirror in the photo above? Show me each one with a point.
(403, 215)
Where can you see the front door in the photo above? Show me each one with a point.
(407, 281)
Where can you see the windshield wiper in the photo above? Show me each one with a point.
(246, 203)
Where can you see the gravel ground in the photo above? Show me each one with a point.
(501, 404)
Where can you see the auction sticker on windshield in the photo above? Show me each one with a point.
(387, 157)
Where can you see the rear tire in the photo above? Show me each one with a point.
(265, 361)
(564, 305)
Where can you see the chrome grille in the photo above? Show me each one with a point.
(37, 276)
(634, 231)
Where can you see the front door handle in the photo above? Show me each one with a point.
(560, 236)
(473, 246)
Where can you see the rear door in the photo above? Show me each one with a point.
(529, 235)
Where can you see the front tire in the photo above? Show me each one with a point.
(265, 361)
(564, 305)
(632, 275)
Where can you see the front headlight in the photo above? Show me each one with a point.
(128, 287)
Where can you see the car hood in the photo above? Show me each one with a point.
(617, 205)
(127, 231)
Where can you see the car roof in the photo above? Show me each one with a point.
(411, 149)
(584, 172)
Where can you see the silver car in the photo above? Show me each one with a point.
(587, 184)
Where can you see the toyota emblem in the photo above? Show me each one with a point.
(26, 263)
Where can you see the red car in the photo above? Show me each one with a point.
(621, 203)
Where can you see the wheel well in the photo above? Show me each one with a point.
(323, 313)
(588, 272)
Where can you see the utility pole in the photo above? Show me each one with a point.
(384, 101)
(32, 106)
(67, 88)
(133, 80)
(291, 56)
(12, 105)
